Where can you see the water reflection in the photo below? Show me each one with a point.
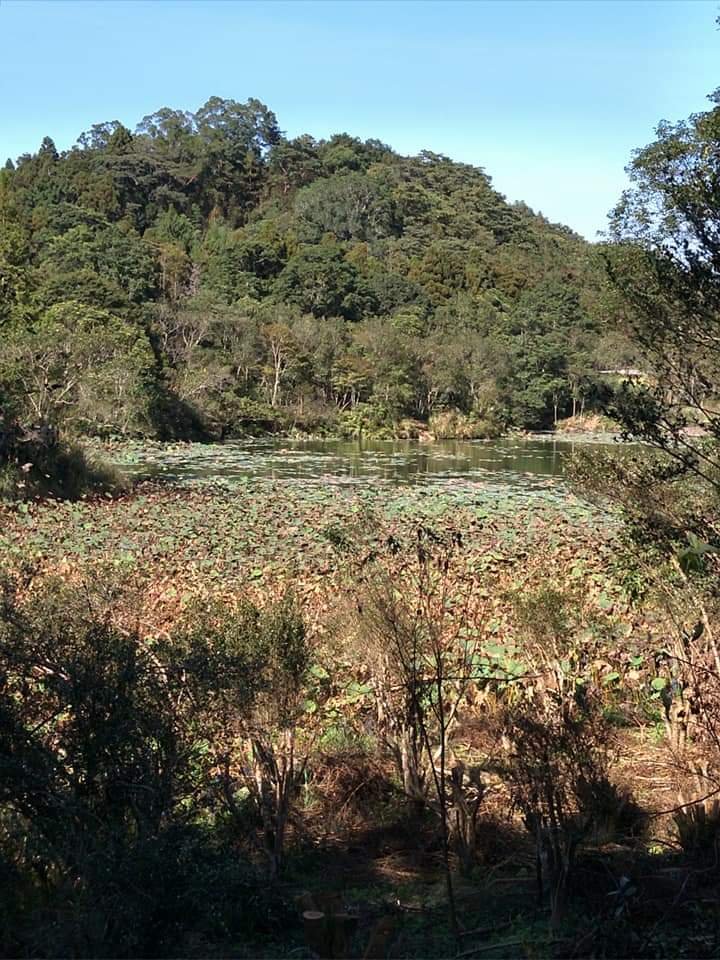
(527, 461)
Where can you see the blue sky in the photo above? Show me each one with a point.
(549, 97)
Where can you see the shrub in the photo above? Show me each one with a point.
(365, 419)
(419, 652)
(455, 425)
(314, 420)
(248, 669)
(698, 822)
(247, 417)
(556, 768)
(557, 739)
(37, 463)
(121, 761)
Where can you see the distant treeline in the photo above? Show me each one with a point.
(206, 276)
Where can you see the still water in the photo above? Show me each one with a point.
(526, 461)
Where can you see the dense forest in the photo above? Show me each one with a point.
(207, 277)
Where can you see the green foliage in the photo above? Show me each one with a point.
(408, 283)
(454, 425)
(322, 282)
(664, 269)
(350, 207)
(110, 746)
(78, 367)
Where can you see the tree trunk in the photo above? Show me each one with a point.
(276, 384)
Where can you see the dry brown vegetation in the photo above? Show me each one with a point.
(489, 739)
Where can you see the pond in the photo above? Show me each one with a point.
(536, 461)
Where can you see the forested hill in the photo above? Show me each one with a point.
(205, 275)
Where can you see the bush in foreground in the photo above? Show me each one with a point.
(128, 816)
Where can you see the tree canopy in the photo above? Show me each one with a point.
(403, 285)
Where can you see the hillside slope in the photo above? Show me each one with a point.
(205, 275)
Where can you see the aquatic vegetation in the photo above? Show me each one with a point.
(186, 547)
(520, 462)
(232, 531)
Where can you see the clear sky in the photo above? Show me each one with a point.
(549, 97)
